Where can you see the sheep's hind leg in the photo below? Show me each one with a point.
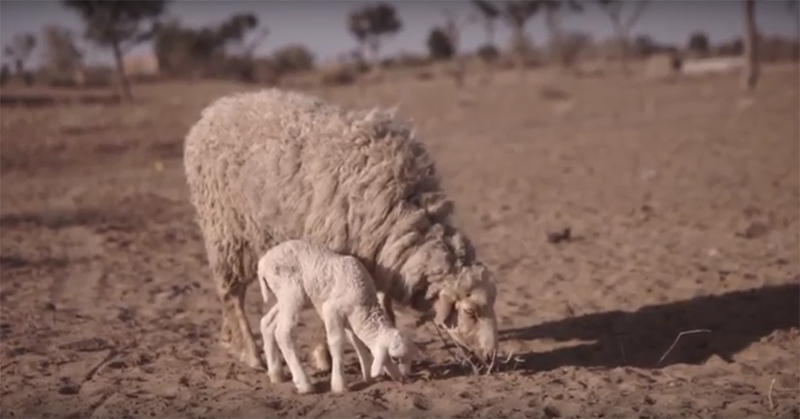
(271, 350)
(286, 322)
(322, 357)
(237, 337)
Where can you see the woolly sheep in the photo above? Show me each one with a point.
(268, 166)
(296, 273)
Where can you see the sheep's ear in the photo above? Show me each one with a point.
(444, 309)
(462, 248)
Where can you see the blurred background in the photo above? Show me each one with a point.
(269, 42)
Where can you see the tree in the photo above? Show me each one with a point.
(19, 51)
(62, 58)
(292, 58)
(119, 26)
(751, 65)
(622, 27)
(644, 46)
(516, 14)
(439, 45)
(183, 51)
(553, 10)
(698, 43)
(373, 22)
(489, 13)
(793, 6)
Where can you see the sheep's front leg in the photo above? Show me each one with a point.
(270, 346)
(283, 335)
(386, 305)
(334, 328)
(236, 334)
(364, 356)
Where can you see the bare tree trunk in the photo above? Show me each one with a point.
(751, 65)
(124, 84)
(488, 62)
(520, 47)
(375, 48)
(556, 35)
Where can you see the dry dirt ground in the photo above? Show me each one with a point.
(681, 199)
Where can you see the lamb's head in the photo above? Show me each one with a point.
(401, 348)
(397, 348)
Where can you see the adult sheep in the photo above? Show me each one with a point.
(269, 166)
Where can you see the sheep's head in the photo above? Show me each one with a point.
(465, 310)
(453, 289)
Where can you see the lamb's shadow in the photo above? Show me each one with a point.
(641, 338)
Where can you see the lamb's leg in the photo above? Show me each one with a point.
(236, 335)
(322, 357)
(379, 359)
(270, 346)
(334, 328)
(364, 356)
(286, 321)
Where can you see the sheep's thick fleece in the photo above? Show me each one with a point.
(273, 165)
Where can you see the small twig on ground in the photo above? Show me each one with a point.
(444, 342)
(677, 338)
(769, 395)
(622, 351)
(491, 364)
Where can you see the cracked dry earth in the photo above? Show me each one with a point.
(681, 201)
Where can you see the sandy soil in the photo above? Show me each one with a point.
(681, 199)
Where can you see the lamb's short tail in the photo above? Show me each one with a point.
(262, 283)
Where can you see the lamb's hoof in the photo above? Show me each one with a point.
(338, 388)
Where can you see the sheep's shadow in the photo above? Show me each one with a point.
(641, 338)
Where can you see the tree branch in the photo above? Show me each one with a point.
(639, 8)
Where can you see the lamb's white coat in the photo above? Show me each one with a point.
(299, 273)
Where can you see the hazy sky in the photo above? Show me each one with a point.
(320, 24)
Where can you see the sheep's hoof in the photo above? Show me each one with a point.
(322, 359)
(251, 360)
(277, 378)
(305, 388)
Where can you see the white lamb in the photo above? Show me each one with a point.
(341, 290)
